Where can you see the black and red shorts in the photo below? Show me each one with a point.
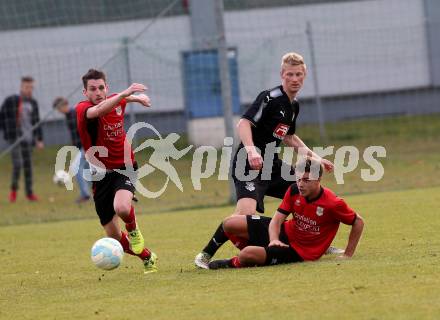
(258, 231)
(104, 194)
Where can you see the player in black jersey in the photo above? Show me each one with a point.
(270, 120)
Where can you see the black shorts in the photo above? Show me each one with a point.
(258, 231)
(104, 194)
(257, 188)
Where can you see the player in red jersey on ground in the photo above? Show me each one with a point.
(317, 213)
(270, 120)
(100, 121)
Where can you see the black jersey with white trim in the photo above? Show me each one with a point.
(273, 117)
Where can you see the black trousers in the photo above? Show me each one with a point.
(21, 156)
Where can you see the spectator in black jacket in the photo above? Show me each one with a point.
(19, 118)
(62, 105)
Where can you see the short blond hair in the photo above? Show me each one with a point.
(292, 59)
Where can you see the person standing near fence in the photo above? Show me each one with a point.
(62, 105)
(19, 119)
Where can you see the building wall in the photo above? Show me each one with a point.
(373, 59)
(359, 47)
(18, 14)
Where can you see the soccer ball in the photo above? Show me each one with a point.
(61, 177)
(107, 253)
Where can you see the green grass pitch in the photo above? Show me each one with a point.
(47, 272)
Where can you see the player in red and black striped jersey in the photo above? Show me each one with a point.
(270, 120)
(100, 121)
(317, 213)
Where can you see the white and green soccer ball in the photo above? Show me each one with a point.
(107, 253)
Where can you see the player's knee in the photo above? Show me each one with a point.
(247, 257)
(244, 210)
(233, 224)
(228, 224)
(122, 208)
(246, 206)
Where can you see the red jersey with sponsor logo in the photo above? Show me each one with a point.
(314, 224)
(107, 131)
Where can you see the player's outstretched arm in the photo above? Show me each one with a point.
(300, 147)
(107, 105)
(143, 99)
(353, 238)
(274, 230)
(245, 134)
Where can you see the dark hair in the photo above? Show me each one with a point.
(27, 79)
(93, 74)
(59, 101)
(309, 164)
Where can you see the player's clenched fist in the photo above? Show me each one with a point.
(255, 160)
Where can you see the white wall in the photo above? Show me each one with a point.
(58, 57)
(360, 47)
